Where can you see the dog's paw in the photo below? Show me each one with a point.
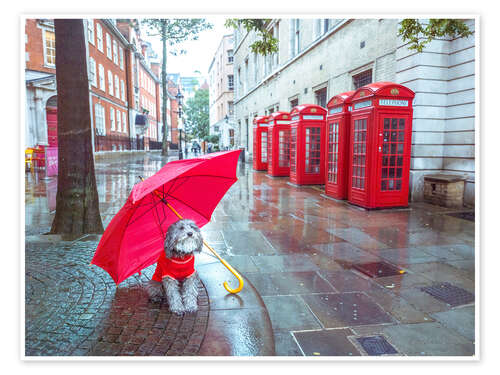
(177, 309)
(191, 307)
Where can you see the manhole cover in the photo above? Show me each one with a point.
(449, 294)
(464, 215)
(376, 345)
(378, 269)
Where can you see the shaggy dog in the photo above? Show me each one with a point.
(175, 275)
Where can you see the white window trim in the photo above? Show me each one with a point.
(93, 72)
(124, 122)
(115, 52)
(109, 52)
(45, 62)
(122, 86)
(112, 118)
(110, 83)
(91, 31)
(100, 41)
(121, 58)
(118, 121)
(117, 87)
(102, 78)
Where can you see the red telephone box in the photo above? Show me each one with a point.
(307, 139)
(337, 147)
(278, 141)
(380, 145)
(260, 125)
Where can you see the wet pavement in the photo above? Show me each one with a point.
(300, 254)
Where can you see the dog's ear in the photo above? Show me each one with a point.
(169, 242)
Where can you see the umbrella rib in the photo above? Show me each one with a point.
(145, 212)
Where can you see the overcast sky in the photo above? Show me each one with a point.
(199, 52)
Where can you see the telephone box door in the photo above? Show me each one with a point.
(393, 161)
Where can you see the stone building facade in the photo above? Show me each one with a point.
(319, 58)
(221, 77)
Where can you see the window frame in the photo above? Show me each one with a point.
(91, 31)
(112, 118)
(46, 47)
(100, 41)
(110, 83)
(109, 52)
(93, 72)
(102, 78)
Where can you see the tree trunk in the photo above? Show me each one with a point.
(164, 146)
(77, 205)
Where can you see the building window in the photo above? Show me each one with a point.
(117, 86)
(121, 58)
(255, 68)
(90, 26)
(92, 75)
(124, 122)
(99, 119)
(361, 79)
(230, 82)
(294, 103)
(99, 38)
(317, 28)
(110, 82)
(122, 85)
(245, 81)
(230, 57)
(115, 52)
(118, 121)
(50, 48)
(102, 83)
(320, 96)
(276, 35)
(112, 117)
(294, 36)
(108, 46)
(230, 108)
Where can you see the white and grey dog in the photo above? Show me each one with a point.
(175, 275)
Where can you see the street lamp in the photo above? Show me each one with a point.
(179, 98)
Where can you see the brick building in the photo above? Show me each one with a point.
(319, 58)
(221, 78)
(124, 86)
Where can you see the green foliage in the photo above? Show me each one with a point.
(214, 138)
(266, 43)
(413, 30)
(197, 114)
(176, 30)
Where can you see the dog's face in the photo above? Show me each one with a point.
(183, 238)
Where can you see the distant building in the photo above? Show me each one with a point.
(221, 78)
(319, 58)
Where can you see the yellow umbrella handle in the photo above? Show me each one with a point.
(226, 264)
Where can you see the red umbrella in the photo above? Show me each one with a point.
(189, 188)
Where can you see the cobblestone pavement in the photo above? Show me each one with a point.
(73, 309)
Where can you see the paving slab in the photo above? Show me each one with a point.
(333, 342)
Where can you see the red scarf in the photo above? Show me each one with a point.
(178, 269)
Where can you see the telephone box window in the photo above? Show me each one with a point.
(284, 148)
(333, 148)
(293, 141)
(313, 149)
(263, 145)
(359, 154)
(392, 154)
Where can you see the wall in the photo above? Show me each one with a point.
(443, 78)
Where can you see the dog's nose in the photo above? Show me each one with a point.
(189, 234)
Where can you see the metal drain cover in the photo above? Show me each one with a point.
(450, 294)
(376, 345)
(378, 269)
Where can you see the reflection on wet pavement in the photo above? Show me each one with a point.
(296, 248)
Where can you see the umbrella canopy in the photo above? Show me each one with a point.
(134, 238)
